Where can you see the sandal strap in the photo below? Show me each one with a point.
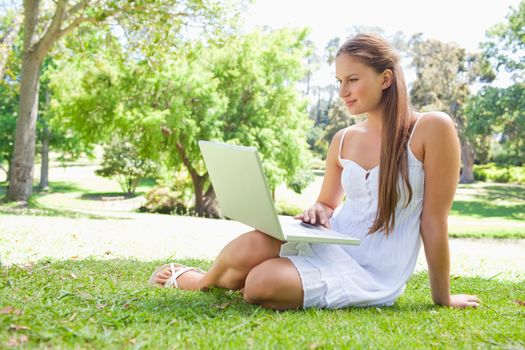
(172, 281)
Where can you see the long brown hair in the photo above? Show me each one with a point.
(375, 52)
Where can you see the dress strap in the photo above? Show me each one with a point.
(414, 129)
(341, 143)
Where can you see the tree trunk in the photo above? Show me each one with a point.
(9, 171)
(198, 186)
(21, 182)
(467, 158)
(205, 203)
(44, 169)
(211, 205)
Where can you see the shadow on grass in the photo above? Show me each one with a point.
(35, 209)
(502, 192)
(489, 200)
(488, 210)
(104, 196)
(54, 187)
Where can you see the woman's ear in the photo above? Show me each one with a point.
(388, 78)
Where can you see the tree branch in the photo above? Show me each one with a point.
(76, 8)
(51, 34)
(187, 162)
(31, 9)
(73, 25)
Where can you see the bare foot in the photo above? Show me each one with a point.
(189, 280)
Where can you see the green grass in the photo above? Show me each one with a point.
(488, 210)
(94, 304)
(480, 210)
(485, 200)
(69, 199)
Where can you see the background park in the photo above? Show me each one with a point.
(101, 179)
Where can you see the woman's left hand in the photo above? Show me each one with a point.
(462, 301)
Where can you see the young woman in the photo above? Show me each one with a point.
(398, 169)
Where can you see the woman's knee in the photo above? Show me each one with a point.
(252, 248)
(241, 255)
(274, 284)
(258, 286)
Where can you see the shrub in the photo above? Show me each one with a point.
(480, 174)
(287, 209)
(503, 174)
(122, 162)
(164, 201)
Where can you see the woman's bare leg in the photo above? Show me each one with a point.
(232, 265)
(274, 284)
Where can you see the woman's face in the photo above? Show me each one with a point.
(360, 86)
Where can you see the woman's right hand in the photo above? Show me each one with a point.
(317, 214)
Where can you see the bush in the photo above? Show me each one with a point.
(123, 162)
(480, 174)
(287, 209)
(164, 201)
(503, 174)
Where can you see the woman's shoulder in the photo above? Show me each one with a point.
(432, 124)
(434, 119)
(349, 130)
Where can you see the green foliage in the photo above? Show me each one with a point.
(288, 209)
(505, 44)
(164, 201)
(240, 90)
(339, 118)
(122, 162)
(438, 84)
(497, 123)
(504, 174)
(314, 138)
(257, 73)
(8, 112)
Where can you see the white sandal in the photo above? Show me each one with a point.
(176, 270)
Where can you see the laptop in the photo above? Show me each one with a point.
(243, 195)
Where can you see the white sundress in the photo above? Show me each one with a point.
(376, 271)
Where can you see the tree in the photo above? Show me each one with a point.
(42, 29)
(123, 162)
(505, 43)
(240, 90)
(496, 114)
(444, 73)
(499, 111)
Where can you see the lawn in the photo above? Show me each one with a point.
(93, 304)
(480, 210)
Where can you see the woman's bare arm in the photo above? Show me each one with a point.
(331, 192)
(442, 157)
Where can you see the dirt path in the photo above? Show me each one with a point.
(150, 236)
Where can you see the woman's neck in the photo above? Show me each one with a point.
(374, 121)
